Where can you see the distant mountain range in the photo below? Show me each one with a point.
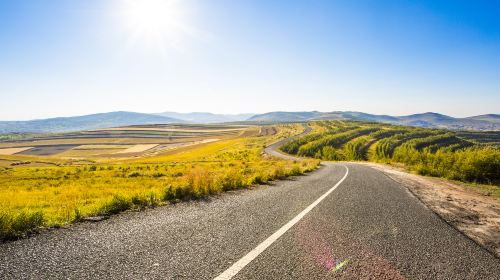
(203, 117)
(87, 122)
(430, 120)
(116, 119)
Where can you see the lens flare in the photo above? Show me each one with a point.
(317, 247)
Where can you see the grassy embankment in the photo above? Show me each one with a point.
(462, 156)
(31, 198)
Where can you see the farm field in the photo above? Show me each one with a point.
(99, 179)
(131, 141)
(463, 156)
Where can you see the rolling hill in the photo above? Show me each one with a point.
(94, 121)
(205, 117)
(489, 117)
(121, 118)
(430, 119)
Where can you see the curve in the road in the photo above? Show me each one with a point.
(273, 149)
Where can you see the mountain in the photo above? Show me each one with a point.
(94, 121)
(285, 116)
(203, 117)
(489, 117)
(349, 115)
(429, 119)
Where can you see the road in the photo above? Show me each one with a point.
(361, 221)
(273, 148)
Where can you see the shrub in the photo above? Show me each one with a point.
(118, 204)
(259, 179)
(169, 193)
(134, 174)
(157, 175)
(140, 200)
(21, 224)
(231, 180)
(296, 171)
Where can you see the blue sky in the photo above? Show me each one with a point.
(68, 57)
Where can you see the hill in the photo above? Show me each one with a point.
(205, 117)
(285, 116)
(464, 156)
(489, 117)
(94, 121)
(428, 120)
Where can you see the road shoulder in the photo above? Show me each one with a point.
(474, 214)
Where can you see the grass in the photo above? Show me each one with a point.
(32, 198)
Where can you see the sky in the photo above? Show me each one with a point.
(397, 57)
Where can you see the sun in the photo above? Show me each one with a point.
(158, 22)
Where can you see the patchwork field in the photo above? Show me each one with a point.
(66, 182)
(121, 142)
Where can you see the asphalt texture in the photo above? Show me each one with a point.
(370, 224)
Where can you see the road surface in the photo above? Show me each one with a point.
(343, 221)
(273, 148)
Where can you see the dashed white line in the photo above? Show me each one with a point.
(240, 264)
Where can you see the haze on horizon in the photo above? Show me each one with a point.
(67, 58)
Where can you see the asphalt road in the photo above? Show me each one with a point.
(368, 222)
(273, 148)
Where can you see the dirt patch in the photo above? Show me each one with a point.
(47, 150)
(267, 131)
(138, 148)
(11, 151)
(474, 214)
(101, 147)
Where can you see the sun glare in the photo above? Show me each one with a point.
(159, 22)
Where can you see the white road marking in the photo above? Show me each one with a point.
(239, 265)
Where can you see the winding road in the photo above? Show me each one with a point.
(343, 221)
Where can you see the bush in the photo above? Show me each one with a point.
(134, 174)
(259, 179)
(169, 193)
(296, 171)
(157, 175)
(145, 200)
(231, 180)
(24, 223)
(116, 205)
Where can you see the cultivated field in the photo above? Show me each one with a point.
(12, 151)
(62, 183)
(132, 141)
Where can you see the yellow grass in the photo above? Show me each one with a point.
(58, 195)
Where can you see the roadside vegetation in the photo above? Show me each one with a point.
(36, 197)
(463, 156)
